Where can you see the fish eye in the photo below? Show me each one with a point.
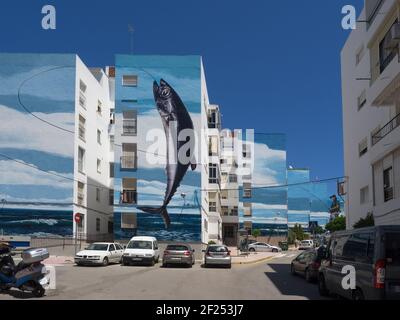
(166, 92)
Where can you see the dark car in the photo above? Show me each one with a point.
(373, 253)
(307, 263)
(179, 254)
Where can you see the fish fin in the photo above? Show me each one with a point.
(193, 166)
(161, 211)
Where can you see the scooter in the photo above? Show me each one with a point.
(29, 275)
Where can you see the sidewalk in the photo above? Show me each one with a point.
(250, 258)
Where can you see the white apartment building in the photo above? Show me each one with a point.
(229, 188)
(211, 230)
(93, 195)
(371, 114)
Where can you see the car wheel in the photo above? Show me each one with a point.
(158, 259)
(275, 250)
(292, 269)
(308, 275)
(252, 250)
(229, 266)
(39, 291)
(323, 290)
(105, 262)
(358, 295)
(153, 262)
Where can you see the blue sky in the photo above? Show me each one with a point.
(272, 65)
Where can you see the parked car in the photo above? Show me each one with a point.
(306, 244)
(141, 250)
(263, 247)
(374, 253)
(178, 254)
(307, 263)
(100, 253)
(217, 255)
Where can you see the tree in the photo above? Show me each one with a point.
(291, 236)
(338, 224)
(256, 233)
(319, 230)
(368, 221)
(298, 232)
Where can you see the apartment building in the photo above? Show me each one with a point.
(371, 114)
(55, 163)
(229, 187)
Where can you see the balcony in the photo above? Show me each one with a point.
(388, 193)
(128, 163)
(387, 129)
(82, 100)
(82, 132)
(129, 197)
(81, 197)
(129, 128)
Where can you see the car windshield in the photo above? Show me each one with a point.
(98, 247)
(305, 242)
(217, 249)
(392, 244)
(138, 244)
(177, 248)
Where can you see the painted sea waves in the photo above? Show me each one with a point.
(50, 223)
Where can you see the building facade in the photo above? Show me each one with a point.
(371, 115)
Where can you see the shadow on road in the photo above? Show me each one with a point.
(290, 285)
(18, 294)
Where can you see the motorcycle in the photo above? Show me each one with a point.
(29, 275)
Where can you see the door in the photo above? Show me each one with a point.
(297, 262)
(156, 250)
(113, 253)
(262, 247)
(119, 251)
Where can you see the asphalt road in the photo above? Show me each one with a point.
(262, 281)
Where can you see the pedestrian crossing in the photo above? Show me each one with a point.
(286, 255)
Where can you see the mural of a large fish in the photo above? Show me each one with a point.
(172, 111)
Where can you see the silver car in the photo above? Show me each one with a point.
(179, 254)
(217, 255)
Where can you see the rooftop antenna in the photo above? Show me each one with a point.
(131, 31)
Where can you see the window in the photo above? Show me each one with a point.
(98, 166)
(233, 178)
(246, 151)
(81, 193)
(247, 210)
(98, 194)
(82, 97)
(360, 54)
(234, 211)
(130, 80)
(364, 195)
(112, 141)
(129, 127)
(387, 51)
(248, 225)
(82, 128)
(129, 156)
(247, 190)
(224, 194)
(388, 184)
(213, 146)
(112, 165)
(363, 147)
(212, 119)
(99, 107)
(224, 210)
(81, 160)
(129, 191)
(362, 100)
(356, 247)
(212, 206)
(111, 197)
(212, 173)
(98, 136)
(97, 224)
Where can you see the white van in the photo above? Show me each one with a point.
(141, 250)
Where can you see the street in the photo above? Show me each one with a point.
(269, 280)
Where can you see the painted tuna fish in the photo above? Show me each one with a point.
(173, 113)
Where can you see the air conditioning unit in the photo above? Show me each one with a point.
(393, 40)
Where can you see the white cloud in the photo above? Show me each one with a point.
(22, 131)
(13, 173)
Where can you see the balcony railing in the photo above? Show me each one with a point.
(81, 197)
(128, 162)
(129, 197)
(388, 194)
(388, 128)
(129, 127)
(82, 100)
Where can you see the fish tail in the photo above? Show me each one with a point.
(162, 211)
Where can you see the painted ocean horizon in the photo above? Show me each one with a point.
(58, 223)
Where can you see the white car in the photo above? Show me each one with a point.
(306, 244)
(100, 253)
(141, 250)
(263, 247)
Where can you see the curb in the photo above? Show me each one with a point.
(254, 261)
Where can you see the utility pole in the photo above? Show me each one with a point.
(131, 30)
